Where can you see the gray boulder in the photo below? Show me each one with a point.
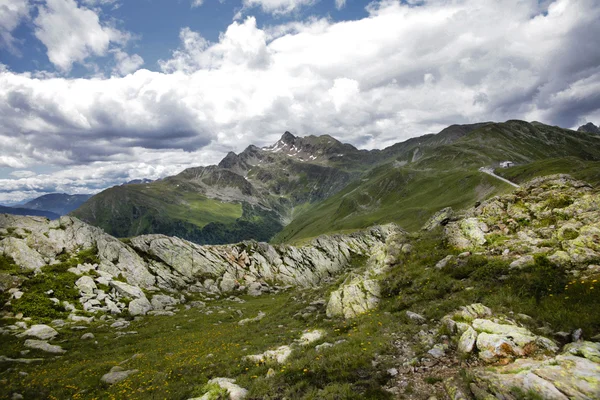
(43, 332)
(139, 306)
(44, 346)
(116, 375)
(86, 285)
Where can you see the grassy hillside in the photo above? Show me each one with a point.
(444, 173)
(588, 171)
(168, 207)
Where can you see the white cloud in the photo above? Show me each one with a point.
(23, 174)
(339, 4)
(197, 3)
(125, 63)
(12, 13)
(400, 72)
(278, 7)
(242, 45)
(344, 90)
(72, 34)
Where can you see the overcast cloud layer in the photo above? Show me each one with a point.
(403, 71)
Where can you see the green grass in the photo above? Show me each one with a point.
(401, 195)
(180, 354)
(588, 171)
(35, 302)
(201, 211)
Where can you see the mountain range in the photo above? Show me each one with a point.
(58, 203)
(302, 187)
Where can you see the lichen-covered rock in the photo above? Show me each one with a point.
(440, 218)
(360, 291)
(278, 355)
(565, 376)
(589, 350)
(160, 301)
(467, 341)
(127, 290)
(86, 285)
(355, 296)
(555, 215)
(176, 264)
(498, 340)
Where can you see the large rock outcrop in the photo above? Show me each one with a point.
(556, 216)
(494, 338)
(574, 374)
(360, 291)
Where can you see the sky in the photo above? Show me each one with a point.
(94, 93)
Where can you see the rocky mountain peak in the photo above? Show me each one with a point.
(288, 138)
(589, 128)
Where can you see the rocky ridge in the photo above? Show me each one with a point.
(157, 263)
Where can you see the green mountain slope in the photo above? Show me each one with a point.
(303, 187)
(429, 177)
(250, 195)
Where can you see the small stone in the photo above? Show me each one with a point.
(467, 341)
(436, 352)
(392, 371)
(577, 335)
(415, 317)
(270, 373)
(444, 262)
(322, 346)
(87, 336)
(21, 324)
(120, 324)
(116, 375)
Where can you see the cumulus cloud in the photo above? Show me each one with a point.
(125, 63)
(12, 13)
(402, 71)
(72, 34)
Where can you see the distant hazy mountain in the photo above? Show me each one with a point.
(25, 211)
(57, 203)
(589, 128)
